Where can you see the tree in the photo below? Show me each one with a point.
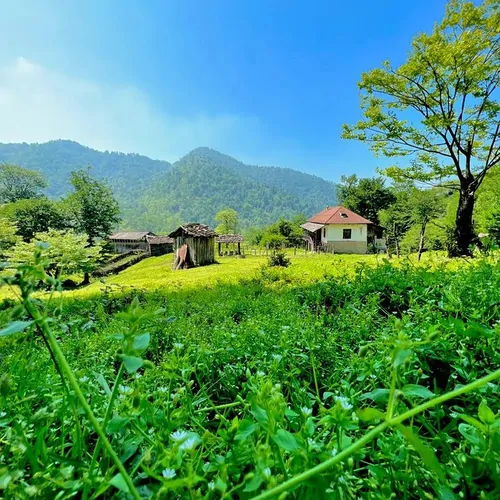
(8, 235)
(396, 219)
(18, 183)
(67, 252)
(227, 221)
(92, 206)
(33, 216)
(426, 205)
(366, 197)
(441, 108)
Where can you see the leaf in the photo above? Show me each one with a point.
(245, 429)
(260, 415)
(485, 413)
(286, 440)
(254, 483)
(377, 395)
(141, 342)
(417, 391)
(102, 382)
(367, 414)
(119, 482)
(401, 357)
(15, 327)
(117, 423)
(445, 493)
(472, 435)
(132, 363)
(475, 422)
(426, 453)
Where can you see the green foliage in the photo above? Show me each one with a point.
(67, 252)
(92, 205)
(227, 221)
(278, 258)
(36, 215)
(440, 107)
(18, 183)
(367, 197)
(8, 235)
(379, 382)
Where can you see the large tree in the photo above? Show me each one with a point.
(227, 221)
(92, 205)
(440, 108)
(18, 183)
(366, 196)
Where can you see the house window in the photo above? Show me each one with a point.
(347, 234)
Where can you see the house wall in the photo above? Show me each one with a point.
(334, 233)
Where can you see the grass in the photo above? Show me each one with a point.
(337, 377)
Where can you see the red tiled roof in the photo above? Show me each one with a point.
(338, 215)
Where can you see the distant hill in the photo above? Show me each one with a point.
(158, 196)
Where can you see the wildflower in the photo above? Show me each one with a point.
(333, 452)
(125, 389)
(168, 473)
(83, 379)
(189, 444)
(306, 412)
(260, 373)
(211, 485)
(179, 435)
(2, 414)
(163, 390)
(178, 345)
(344, 402)
(266, 473)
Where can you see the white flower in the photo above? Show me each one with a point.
(163, 390)
(125, 389)
(168, 473)
(2, 414)
(211, 485)
(189, 444)
(179, 435)
(178, 345)
(260, 373)
(266, 473)
(307, 412)
(344, 402)
(83, 379)
(333, 452)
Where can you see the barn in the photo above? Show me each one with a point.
(128, 241)
(194, 245)
(159, 245)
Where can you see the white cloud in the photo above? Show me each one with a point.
(38, 105)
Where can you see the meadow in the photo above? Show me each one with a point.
(337, 377)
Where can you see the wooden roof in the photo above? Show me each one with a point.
(159, 240)
(311, 226)
(194, 230)
(130, 235)
(338, 215)
(229, 238)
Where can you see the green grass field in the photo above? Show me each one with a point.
(337, 377)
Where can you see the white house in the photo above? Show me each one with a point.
(340, 230)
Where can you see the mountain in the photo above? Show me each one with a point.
(158, 196)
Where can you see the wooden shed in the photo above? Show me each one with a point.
(159, 245)
(229, 244)
(194, 245)
(127, 241)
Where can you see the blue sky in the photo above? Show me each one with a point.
(269, 82)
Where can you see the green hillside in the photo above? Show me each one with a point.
(158, 196)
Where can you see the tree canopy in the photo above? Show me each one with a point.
(18, 183)
(440, 108)
(227, 221)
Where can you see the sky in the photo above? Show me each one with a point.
(269, 82)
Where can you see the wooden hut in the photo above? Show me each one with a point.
(194, 245)
(159, 245)
(229, 244)
(128, 241)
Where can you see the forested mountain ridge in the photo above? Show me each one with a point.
(157, 196)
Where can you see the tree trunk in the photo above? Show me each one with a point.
(464, 226)
(421, 242)
(86, 279)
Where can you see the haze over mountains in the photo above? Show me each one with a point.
(156, 195)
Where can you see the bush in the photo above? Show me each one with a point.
(279, 259)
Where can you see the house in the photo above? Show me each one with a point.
(127, 241)
(194, 245)
(340, 230)
(142, 241)
(232, 244)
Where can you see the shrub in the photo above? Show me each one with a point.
(279, 259)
